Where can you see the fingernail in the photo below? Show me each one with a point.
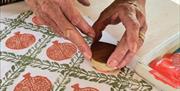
(85, 50)
(121, 65)
(113, 63)
(87, 55)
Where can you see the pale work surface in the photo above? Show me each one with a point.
(163, 22)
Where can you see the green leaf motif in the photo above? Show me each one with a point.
(112, 89)
(0, 81)
(12, 74)
(4, 89)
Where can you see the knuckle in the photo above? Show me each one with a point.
(126, 7)
(76, 20)
(27, 1)
(135, 25)
(58, 1)
(67, 33)
(116, 56)
(145, 27)
(140, 14)
(123, 7)
(33, 4)
(45, 6)
(81, 46)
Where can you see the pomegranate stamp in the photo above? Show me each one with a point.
(77, 88)
(20, 41)
(37, 83)
(60, 51)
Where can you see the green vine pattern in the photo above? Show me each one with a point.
(13, 23)
(12, 74)
(25, 60)
(123, 81)
(9, 57)
(41, 29)
(36, 49)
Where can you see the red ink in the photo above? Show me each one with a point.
(61, 51)
(167, 69)
(20, 41)
(77, 88)
(37, 83)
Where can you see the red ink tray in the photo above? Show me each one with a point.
(167, 69)
(157, 66)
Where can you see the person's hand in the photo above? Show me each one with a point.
(131, 13)
(63, 17)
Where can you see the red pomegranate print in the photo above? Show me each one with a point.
(20, 41)
(61, 51)
(37, 83)
(77, 88)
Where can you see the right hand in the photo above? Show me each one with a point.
(131, 13)
(63, 17)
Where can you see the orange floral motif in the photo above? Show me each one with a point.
(20, 41)
(61, 51)
(37, 83)
(77, 88)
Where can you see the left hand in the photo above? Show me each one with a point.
(64, 19)
(131, 13)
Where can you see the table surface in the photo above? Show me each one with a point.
(162, 17)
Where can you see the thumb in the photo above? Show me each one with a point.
(84, 2)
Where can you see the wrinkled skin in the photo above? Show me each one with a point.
(131, 13)
(63, 18)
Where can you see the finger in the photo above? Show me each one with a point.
(143, 30)
(35, 7)
(67, 29)
(119, 53)
(84, 2)
(76, 19)
(129, 56)
(45, 19)
(53, 12)
(100, 25)
(132, 26)
(140, 16)
(76, 38)
(115, 19)
(102, 22)
(33, 4)
(108, 16)
(37, 20)
(49, 22)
